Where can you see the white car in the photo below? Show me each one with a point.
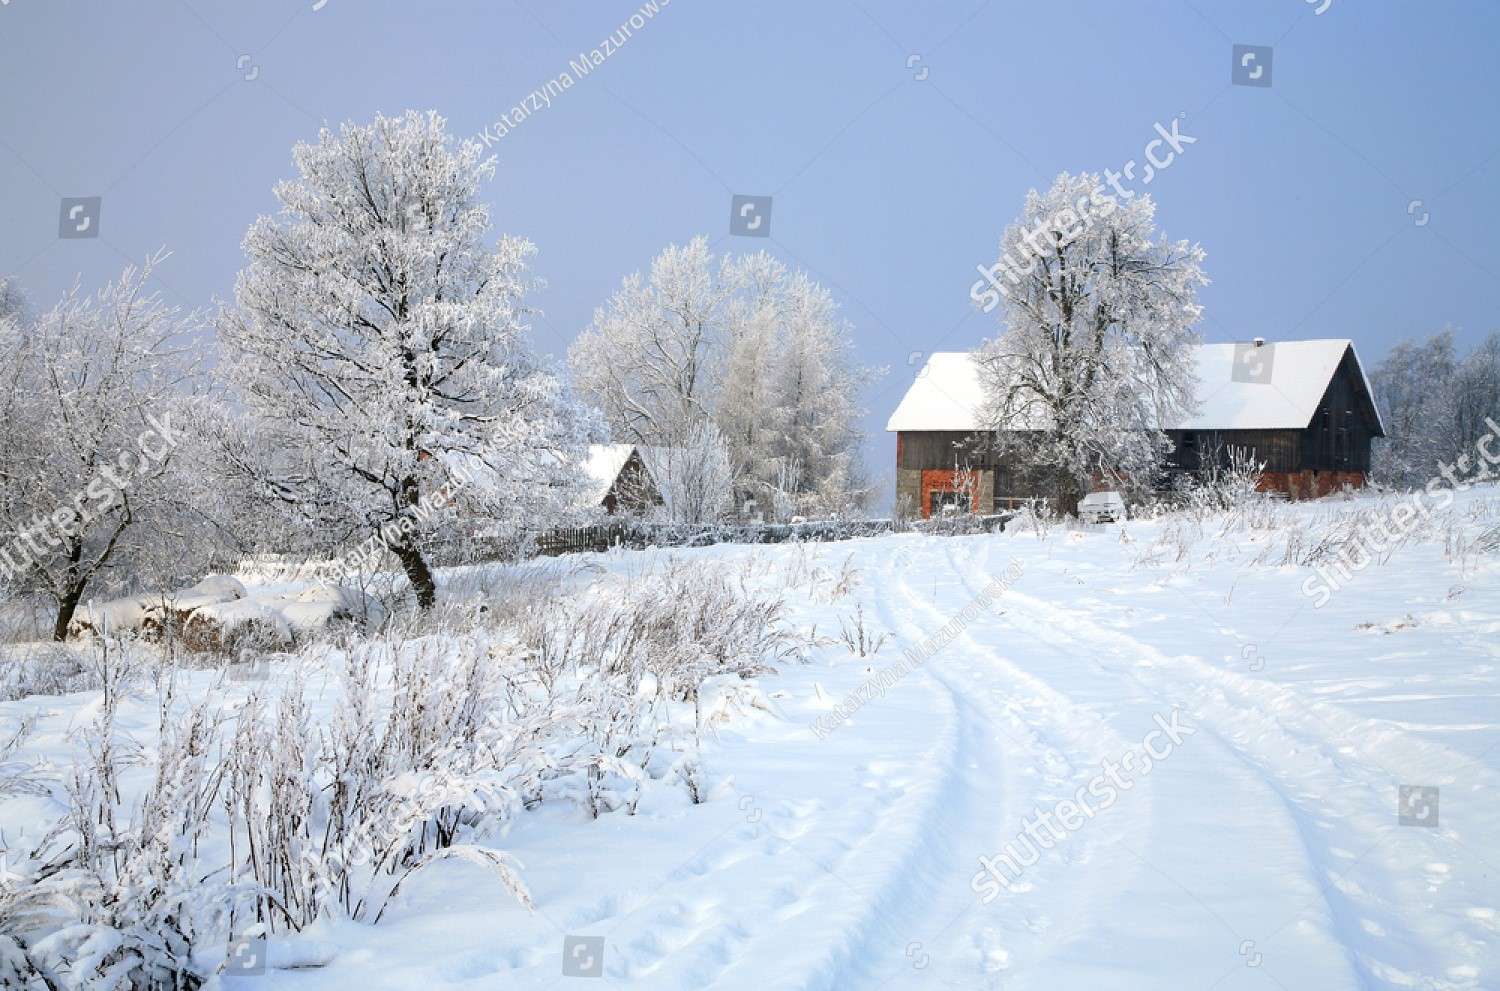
(1102, 507)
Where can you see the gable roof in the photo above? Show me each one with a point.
(947, 394)
(602, 467)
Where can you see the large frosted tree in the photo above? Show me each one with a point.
(816, 393)
(382, 345)
(742, 341)
(1094, 354)
(649, 358)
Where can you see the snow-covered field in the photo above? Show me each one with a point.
(1184, 771)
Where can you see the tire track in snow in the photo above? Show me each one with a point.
(1144, 698)
(1021, 753)
(881, 946)
(1394, 933)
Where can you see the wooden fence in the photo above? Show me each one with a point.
(638, 535)
(476, 548)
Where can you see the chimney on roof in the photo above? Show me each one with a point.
(1260, 342)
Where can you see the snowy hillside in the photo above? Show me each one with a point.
(1132, 756)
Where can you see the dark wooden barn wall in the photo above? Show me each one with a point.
(1281, 450)
(942, 449)
(1338, 439)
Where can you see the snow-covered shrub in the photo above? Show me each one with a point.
(45, 669)
(800, 570)
(1037, 518)
(25, 619)
(861, 641)
(330, 822)
(16, 777)
(695, 475)
(1233, 484)
(125, 898)
(954, 523)
(264, 818)
(680, 626)
(617, 663)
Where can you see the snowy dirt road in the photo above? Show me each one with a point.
(1218, 761)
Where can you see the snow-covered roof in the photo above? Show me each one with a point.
(603, 466)
(947, 394)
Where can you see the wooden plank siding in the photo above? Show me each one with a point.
(1281, 450)
(1338, 439)
(939, 449)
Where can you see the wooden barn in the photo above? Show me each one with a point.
(1305, 408)
(621, 482)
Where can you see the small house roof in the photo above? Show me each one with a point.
(602, 468)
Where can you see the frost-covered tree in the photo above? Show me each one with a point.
(759, 350)
(12, 299)
(695, 476)
(648, 359)
(1476, 395)
(1095, 350)
(1413, 386)
(745, 382)
(383, 346)
(815, 396)
(1435, 406)
(91, 395)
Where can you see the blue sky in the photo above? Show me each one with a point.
(897, 140)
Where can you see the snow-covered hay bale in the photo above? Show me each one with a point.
(219, 615)
(214, 588)
(152, 613)
(116, 616)
(226, 627)
(172, 612)
(316, 608)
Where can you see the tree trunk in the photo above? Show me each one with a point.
(1069, 495)
(419, 574)
(67, 605)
